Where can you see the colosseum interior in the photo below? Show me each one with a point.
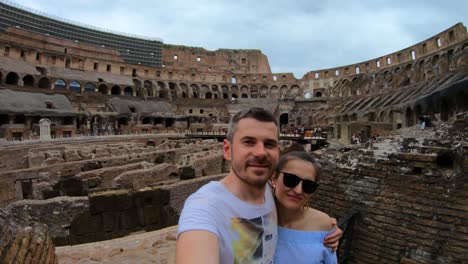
(103, 136)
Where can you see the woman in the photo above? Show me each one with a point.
(301, 229)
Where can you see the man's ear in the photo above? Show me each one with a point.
(227, 149)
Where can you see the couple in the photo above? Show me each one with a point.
(235, 220)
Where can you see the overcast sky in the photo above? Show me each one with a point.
(297, 35)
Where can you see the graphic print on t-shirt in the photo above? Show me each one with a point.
(253, 245)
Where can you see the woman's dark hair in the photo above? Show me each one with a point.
(298, 155)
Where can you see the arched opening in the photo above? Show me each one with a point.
(12, 78)
(115, 90)
(19, 119)
(173, 91)
(122, 122)
(147, 121)
(409, 117)
(60, 84)
(75, 87)
(445, 110)
(103, 89)
(234, 96)
(208, 95)
(184, 95)
(44, 83)
(284, 119)
(244, 95)
(307, 95)
(318, 94)
(128, 91)
(90, 87)
(225, 96)
(28, 81)
(170, 122)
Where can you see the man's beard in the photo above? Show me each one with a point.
(259, 184)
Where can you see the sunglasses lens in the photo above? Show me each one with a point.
(290, 180)
(309, 186)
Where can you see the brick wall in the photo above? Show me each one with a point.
(413, 207)
(179, 192)
(24, 241)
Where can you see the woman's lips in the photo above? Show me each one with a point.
(294, 197)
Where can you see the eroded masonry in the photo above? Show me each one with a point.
(103, 136)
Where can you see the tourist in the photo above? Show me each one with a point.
(301, 228)
(234, 220)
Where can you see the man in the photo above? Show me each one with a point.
(234, 220)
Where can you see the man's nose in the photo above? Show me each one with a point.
(259, 150)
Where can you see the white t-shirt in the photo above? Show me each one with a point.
(246, 233)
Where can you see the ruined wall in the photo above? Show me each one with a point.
(101, 216)
(180, 191)
(412, 205)
(24, 241)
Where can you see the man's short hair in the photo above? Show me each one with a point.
(256, 113)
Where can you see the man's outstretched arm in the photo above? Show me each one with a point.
(197, 247)
(333, 239)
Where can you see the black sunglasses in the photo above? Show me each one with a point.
(291, 180)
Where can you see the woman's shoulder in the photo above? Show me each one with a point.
(318, 220)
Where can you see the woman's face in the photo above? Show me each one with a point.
(294, 197)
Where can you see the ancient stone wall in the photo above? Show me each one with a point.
(412, 205)
(24, 241)
(101, 216)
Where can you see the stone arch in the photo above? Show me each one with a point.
(274, 92)
(245, 90)
(318, 94)
(244, 95)
(60, 84)
(12, 78)
(263, 91)
(195, 90)
(203, 90)
(294, 91)
(173, 90)
(103, 88)
(283, 91)
(234, 91)
(149, 87)
(254, 91)
(184, 90)
(115, 90)
(44, 83)
(163, 91)
(208, 95)
(28, 81)
(225, 91)
(128, 91)
(75, 86)
(216, 91)
(90, 87)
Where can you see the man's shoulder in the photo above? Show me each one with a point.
(210, 193)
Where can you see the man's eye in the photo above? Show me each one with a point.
(249, 142)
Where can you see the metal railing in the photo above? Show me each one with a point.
(347, 225)
(4, 142)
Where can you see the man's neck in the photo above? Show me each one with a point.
(245, 192)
